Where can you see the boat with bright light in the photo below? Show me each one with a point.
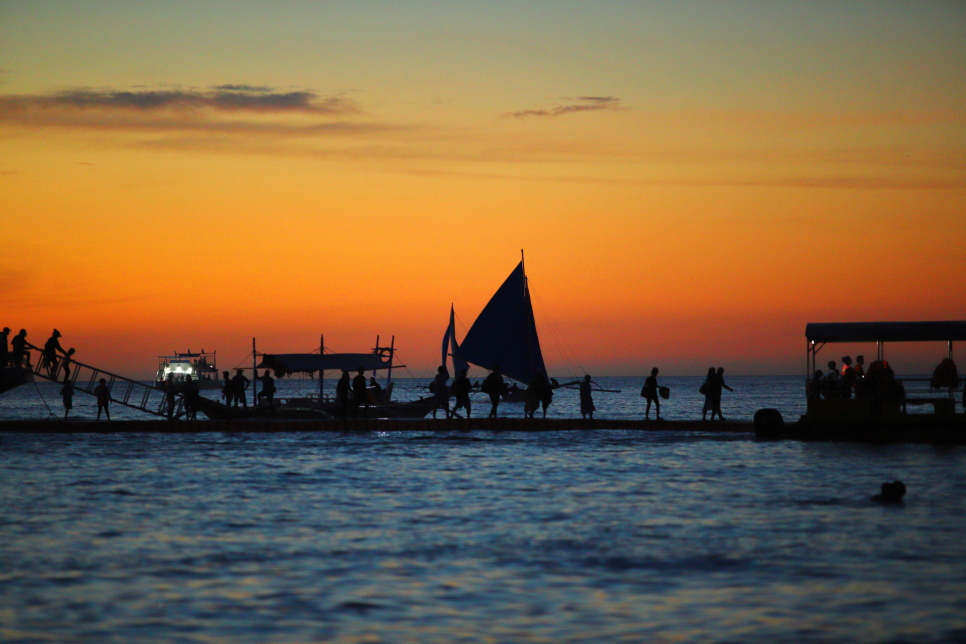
(200, 366)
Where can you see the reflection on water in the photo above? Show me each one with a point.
(572, 536)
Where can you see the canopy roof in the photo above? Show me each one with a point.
(886, 331)
(284, 363)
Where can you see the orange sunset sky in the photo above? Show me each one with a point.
(692, 182)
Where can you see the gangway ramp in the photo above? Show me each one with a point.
(124, 391)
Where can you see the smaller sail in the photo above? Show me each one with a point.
(451, 346)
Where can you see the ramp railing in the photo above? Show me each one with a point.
(85, 378)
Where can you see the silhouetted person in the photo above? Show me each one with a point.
(239, 383)
(375, 388)
(707, 389)
(831, 385)
(461, 390)
(227, 389)
(342, 389)
(49, 353)
(493, 386)
(103, 395)
(67, 393)
(945, 375)
(441, 391)
(848, 377)
(650, 394)
(587, 408)
(539, 392)
(815, 386)
(360, 393)
(719, 385)
(190, 394)
(18, 348)
(170, 388)
(4, 346)
(859, 367)
(891, 493)
(68, 360)
(268, 390)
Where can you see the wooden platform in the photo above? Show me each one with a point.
(80, 426)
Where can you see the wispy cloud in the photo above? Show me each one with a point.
(222, 110)
(222, 98)
(571, 106)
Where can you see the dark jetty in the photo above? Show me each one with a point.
(367, 425)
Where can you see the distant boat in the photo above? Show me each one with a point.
(874, 406)
(321, 405)
(504, 334)
(200, 366)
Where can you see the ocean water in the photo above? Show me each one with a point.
(581, 536)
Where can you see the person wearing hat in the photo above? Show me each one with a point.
(51, 347)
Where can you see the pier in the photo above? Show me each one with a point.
(82, 426)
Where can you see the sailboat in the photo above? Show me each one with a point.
(504, 334)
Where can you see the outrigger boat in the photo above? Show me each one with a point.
(200, 366)
(322, 405)
(877, 406)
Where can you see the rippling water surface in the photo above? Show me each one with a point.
(476, 537)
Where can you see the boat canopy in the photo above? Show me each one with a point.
(286, 363)
(946, 331)
(505, 334)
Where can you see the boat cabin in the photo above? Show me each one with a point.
(874, 391)
(200, 366)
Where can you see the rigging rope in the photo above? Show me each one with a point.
(552, 325)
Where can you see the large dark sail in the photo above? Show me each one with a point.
(505, 334)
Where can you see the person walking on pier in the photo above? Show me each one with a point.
(67, 393)
(719, 384)
(441, 391)
(587, 408)
(539, 392)
(461, 390)
(707, 390)
(360, 393)
(493, 385)
(103, 395)
(238, 386)
(650, 394)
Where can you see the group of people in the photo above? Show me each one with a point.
(879, 381)
(356, 392)
(539, 393)
(13, 352)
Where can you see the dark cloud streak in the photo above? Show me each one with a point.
(584, 104)
(225, 98)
